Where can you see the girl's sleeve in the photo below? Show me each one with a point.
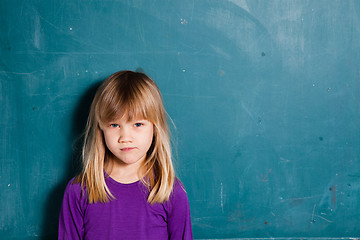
(179, 221)
(72, 213)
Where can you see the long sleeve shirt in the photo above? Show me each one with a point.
(128, 216)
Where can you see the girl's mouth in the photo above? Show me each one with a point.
(127, 149)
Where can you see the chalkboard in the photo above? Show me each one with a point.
(265, 97)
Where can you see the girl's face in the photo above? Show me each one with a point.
(129, 141)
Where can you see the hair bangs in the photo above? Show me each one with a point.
(129, 102)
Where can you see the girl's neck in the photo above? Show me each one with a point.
(121, 172)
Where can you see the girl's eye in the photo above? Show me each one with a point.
(138, 124)
(114, 125)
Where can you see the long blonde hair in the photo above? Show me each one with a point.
(133, 95)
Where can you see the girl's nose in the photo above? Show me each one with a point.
(125, 135)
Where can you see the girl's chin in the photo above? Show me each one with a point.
(127, 161)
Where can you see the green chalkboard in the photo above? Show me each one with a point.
(265, 96)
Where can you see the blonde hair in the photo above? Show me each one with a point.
(133, 95)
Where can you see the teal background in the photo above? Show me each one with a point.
(265, 96)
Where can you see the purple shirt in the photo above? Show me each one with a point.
(129, 216)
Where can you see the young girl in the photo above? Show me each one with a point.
(127, 188)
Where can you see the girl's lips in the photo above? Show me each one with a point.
(127, 149)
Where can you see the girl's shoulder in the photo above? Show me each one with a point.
(74, 203)
(74, 184)
(178, 193)
(178, 186)
(74, 190)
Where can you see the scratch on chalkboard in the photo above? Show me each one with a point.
(247, 111)
(323, 218)
(79, 40)
(312, 217)
(221, 197)
(315, 215)
(188, 96)
(264, 178)
(18, 73)
(300, 198)
(48, 22)
(333, 198)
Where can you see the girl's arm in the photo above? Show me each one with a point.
(71, 213)
(179, 221)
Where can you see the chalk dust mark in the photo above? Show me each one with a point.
(284, 159)
(183, 21)
(241, 3)
(192, 10)
(37, 32)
